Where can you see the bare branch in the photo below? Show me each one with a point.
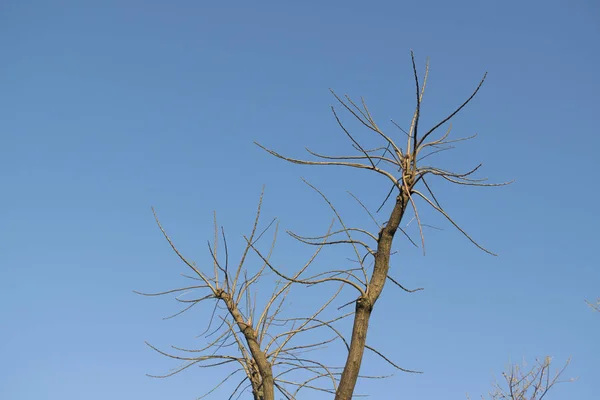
(339, 218)
(183, 289)
(454, 112)
(368, 212)
(390, 362)
(339, 163)
(307, 282)
(402, 287)
(247, 248)
(368, 157)
(369, 125)
(181, 257)
(351, 138)
(441, 211)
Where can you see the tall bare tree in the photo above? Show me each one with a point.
(263, 345)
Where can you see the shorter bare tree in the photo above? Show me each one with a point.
(251, 333)
(523, 383)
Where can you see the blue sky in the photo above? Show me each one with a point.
(111, 107)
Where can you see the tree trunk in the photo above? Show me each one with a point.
(364, 305)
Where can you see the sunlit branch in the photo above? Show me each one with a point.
(441, 211)
(339, 218)
(247, 248)
(289, 335)
(352, 138)
(337, 272)
(171, 291)
(194, 302)
(399, 127)
(471, 182)
(307, 282)
(343, 164)
(311, 238)
(368, 157)
(368, 212)
(216, 265)
(181, 257)
(333, 242)
(220, 383)
(372, 127)
(437, 142)
(434, 152)
(258, 274)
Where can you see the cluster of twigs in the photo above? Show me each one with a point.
(527, 384)
(402, 166)
(595, 306)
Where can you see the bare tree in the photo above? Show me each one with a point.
(522, 383)
(404, 169)
(261, 341)
(408, 177)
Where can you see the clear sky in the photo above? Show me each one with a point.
(110, 107)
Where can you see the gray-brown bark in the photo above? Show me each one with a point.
(262, 383)
(364, 305)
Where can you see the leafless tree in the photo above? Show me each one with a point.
(261, 341)
(259, 350)
(522, 383)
